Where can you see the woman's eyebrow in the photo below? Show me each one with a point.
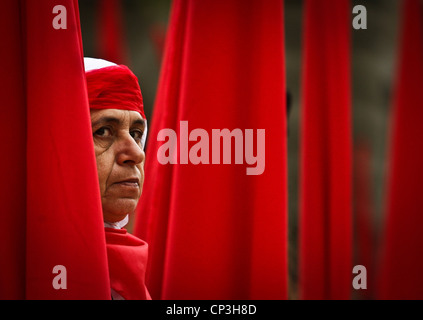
(139, 121)
(106, 119)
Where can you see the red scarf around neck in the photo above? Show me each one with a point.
(127, 256)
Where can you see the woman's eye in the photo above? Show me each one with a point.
(103, 132)
(136, 134)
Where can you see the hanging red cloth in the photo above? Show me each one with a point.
(157, 34)
(402, 263)
(53, 208)
(325, 255)
(13, 159)
(111, 31)
(213, 231)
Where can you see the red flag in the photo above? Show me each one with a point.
(111, 42)
(215, 232)
(157, 35)
(326, 151)
(13, 162)
(402, 262)
(57, 228)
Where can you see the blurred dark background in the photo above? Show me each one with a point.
(373, 72)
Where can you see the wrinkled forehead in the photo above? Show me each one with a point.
(123, 117)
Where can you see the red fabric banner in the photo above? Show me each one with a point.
(157, 35)
(326, 153)
(402, 262)
(13, 159)
(213, 231)
(53, 214)
(110, 24)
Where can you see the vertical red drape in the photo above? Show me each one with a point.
(157, 35)
(111, 40)
(213, 231)
(326, 151)
(402, 262)
(13, 148)
(53, 208)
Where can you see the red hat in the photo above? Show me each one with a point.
(112, 86)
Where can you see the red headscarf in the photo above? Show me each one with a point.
(113, 87)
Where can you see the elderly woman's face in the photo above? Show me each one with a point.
(120, 160)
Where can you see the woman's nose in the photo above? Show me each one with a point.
(129, 151)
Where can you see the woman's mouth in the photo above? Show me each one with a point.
(129, 183)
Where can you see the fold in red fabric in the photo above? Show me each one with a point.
(402, 260)
(114, 87)
(52, 209)
(127, 256)
(213, 231)
(325, 242)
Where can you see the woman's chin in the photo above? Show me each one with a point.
(119, 209)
